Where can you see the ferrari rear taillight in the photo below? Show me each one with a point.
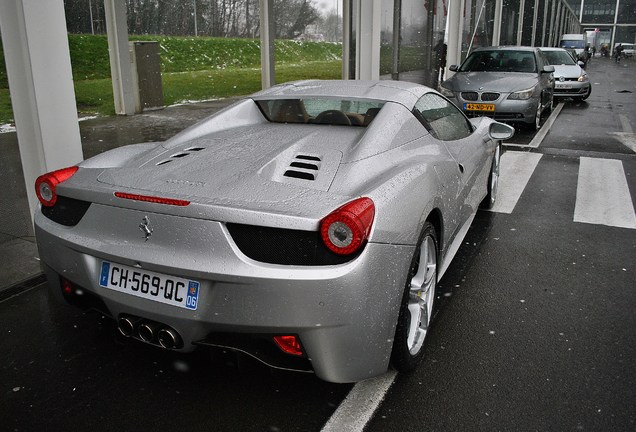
(46, 184)
(347, 228)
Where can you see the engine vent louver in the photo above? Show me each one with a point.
(179, 155)
(300, 169)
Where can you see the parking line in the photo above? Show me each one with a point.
(539, 137)
(356, 410)
(602, 194)
(514, 173)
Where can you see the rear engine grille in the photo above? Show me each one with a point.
(66, 211)
(284, 246)
(184, 153)
(301, 169)
(471, 96)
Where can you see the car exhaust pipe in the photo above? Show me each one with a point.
(168, 338)
(126, 325)
(147, 331)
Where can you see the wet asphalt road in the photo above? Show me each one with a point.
(535, 330)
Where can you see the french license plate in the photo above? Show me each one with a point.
(150, 285)
(479, 107)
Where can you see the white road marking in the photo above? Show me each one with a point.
(602, 194)
(538, 138)
(356, 410)
(627, 138)
(514, 174)
(627, 127)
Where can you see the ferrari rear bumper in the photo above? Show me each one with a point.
(344, 315)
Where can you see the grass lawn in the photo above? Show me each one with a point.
(96, 96)
(191, 68)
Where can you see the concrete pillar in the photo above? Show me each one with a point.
(368, 24)
(268, 35)
(455, 18)
(496, 31)
(41, 85)
(534, 23)
(522, 7)
(120, 64)
(346, 39)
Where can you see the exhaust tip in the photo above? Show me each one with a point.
(146, 332)
(168, 338)
(126, 326)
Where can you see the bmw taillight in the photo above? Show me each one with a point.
(347, 228)
(46, 184)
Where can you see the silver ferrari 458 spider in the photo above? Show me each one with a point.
(306, 225)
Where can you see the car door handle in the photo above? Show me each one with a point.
(461, 168)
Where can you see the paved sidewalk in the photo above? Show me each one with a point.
(19, 262)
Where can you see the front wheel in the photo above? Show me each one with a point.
(587, 95)
(417, 303)
(493, 180)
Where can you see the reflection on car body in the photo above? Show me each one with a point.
(511, 84)
(306, 225)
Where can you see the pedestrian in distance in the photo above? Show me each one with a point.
(618, 53)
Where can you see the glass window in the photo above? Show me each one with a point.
(443, 120)
(559, 58)
(499, 61)
(339, 112)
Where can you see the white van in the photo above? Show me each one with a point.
(575, 41)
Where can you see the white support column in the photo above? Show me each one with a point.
(534, 23)
(522, 7)
(41, 85)
(455, 18)
(554, 38)
(496, 32)
(268, 35)
(346, 39)
(120, 64)
(546, 25)
(368, 24)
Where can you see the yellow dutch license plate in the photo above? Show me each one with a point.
(479, 107)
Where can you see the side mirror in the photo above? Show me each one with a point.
(548, 69)
(580, 63)
(453, 68)
(500, 132)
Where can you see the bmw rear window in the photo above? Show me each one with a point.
(337, 112)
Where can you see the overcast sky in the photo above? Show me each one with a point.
(327, 5)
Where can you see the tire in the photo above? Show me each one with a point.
(417, 303)
(536, 125)
(587, 95)
(493, 180)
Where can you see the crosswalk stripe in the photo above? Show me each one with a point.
(515, 171)
(602, 194)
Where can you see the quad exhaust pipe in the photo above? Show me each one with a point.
(149, 331)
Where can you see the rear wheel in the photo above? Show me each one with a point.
(417, 303)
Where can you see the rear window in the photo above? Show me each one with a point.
(337, 112)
